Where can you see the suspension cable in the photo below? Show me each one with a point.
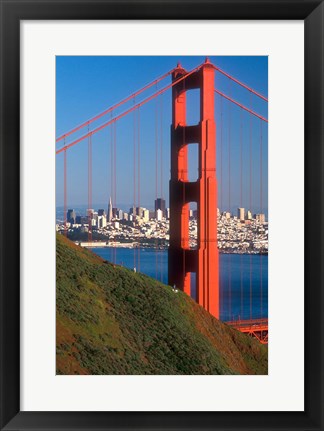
(242, 106)
(156, 180)
(112, 181)
(114, 107)
(261, 209)
(229, 205)
(115, 184)
(161, 179)
(241, 83)
(89, 189)
(139, 177)
(65, 192)
(250, 138)
(131, 109)
(134, 177)
(241, 205)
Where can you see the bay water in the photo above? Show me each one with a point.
(243, 278)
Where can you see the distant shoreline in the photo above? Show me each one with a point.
(105, 244)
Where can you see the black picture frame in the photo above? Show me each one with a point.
(12, 12)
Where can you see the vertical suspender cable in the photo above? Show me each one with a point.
(112, 178)
(221, 188)
(241, 205)
(221, 153)
(139, 176)
(229, 209)
(250, 203)
(156, 179)
(115, 183)
(261, 257)
(65, 191)
(89, 188)
(161, 172)
(134, 178)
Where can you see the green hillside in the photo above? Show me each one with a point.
(112, 321)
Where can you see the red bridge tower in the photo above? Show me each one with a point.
(203, 260)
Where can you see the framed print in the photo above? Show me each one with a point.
(161, 205)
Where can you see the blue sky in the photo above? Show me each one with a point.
(86, 86)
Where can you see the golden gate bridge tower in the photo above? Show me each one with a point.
(204, 260)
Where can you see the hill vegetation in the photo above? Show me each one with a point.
(113, 321)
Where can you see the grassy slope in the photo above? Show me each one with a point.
(112, 321)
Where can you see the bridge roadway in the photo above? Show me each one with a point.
(257, 328)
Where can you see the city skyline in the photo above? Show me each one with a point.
(128, 207)
(243, 233)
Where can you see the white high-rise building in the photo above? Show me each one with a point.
(249, 215)
(159, 215)
(140, 212)
(101, 221)
(241, 214)
(110, 214)
(146, 215)
(260, 218)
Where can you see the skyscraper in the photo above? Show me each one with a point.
(101, 212)
(159, 204)
(120, 214)
(241, 214)
(260, 218)
(71, 216)
(110, 215)
(158, 215)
